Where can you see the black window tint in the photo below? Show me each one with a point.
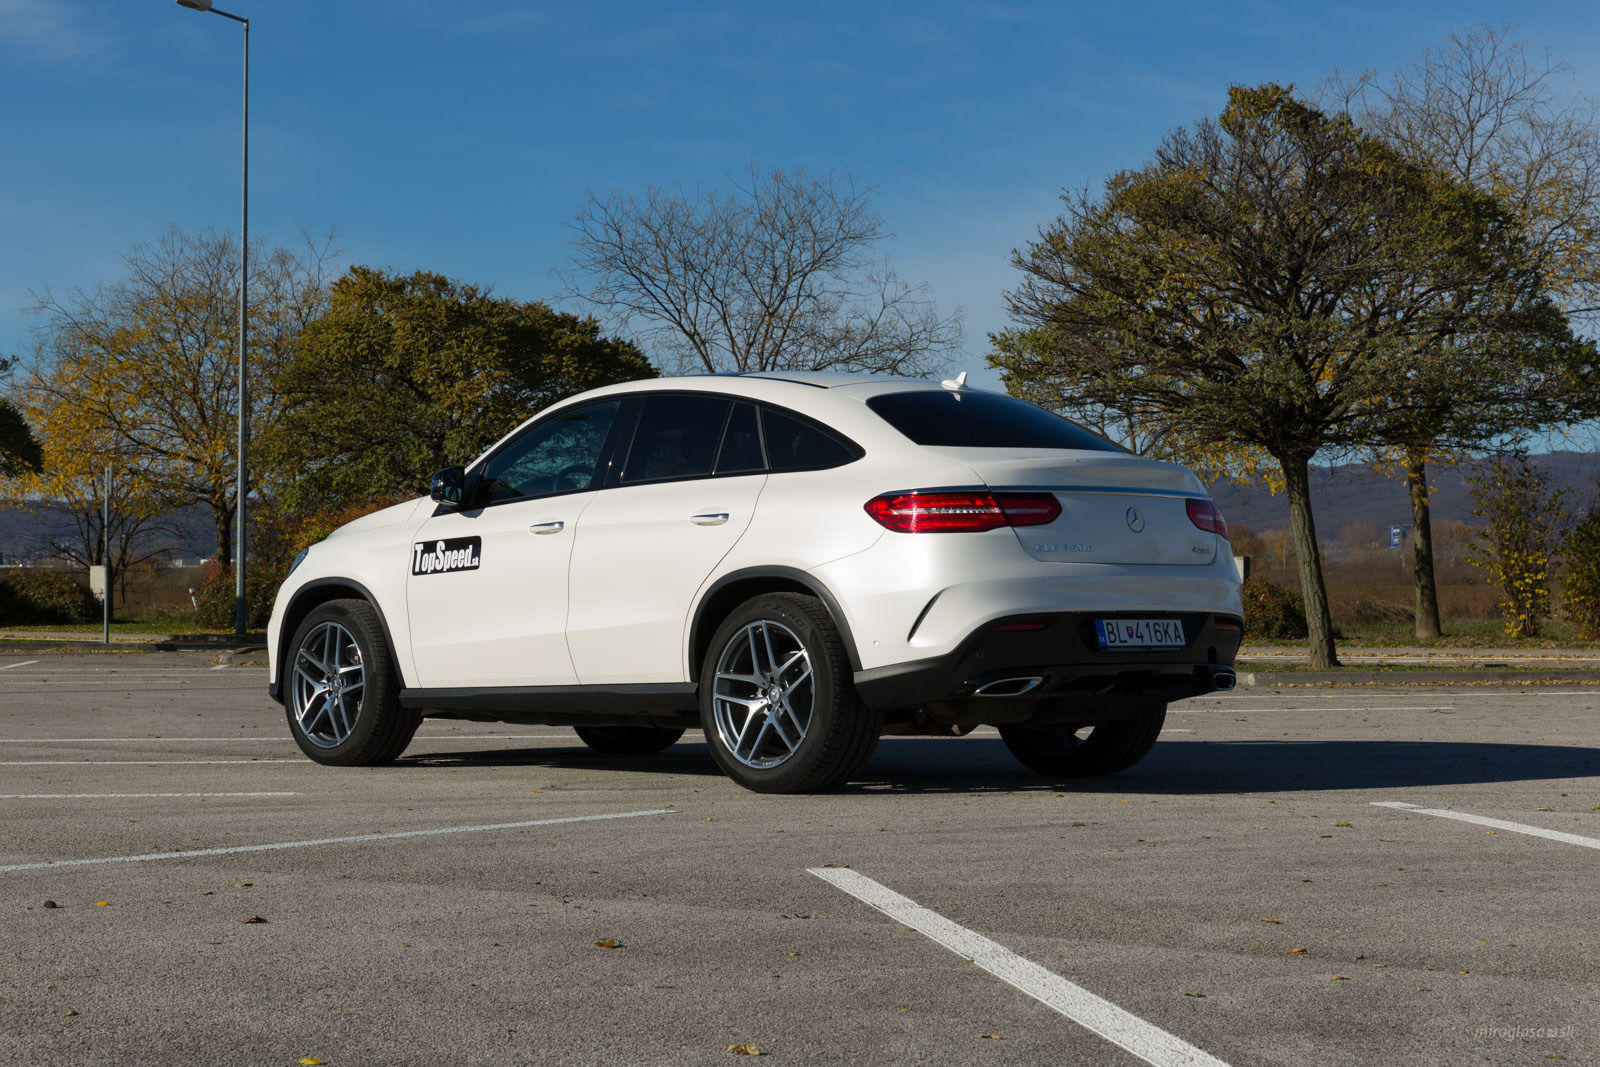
(795, 444)
(676, 438)
(981, 420)
(558, 455)
(741, 443)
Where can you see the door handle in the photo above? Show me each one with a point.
(554, 526)
(709, 518)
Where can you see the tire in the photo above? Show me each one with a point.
(1059, 751)
(362, 724)
(796, 748)
(628, 740)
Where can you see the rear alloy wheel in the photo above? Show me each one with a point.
(628, 740)
(777, 701)
(343, 690)
(1086, 751)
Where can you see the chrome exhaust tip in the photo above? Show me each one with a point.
(1009, 687)
(1222, 681)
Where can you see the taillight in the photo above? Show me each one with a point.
(961, 512)
(1204, 514)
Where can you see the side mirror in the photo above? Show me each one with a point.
(449, 486)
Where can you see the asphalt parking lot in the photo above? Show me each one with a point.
(1256, 891)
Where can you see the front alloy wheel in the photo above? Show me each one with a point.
(325, 696)
(342, 688)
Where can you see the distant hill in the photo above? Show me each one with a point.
(1355, 493)
(24, 531)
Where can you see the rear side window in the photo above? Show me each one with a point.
(796, 444)
(677, 437)
(741, 443)
(981, 420)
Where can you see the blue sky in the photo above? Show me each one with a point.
(461, 138)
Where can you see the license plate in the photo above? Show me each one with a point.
(1128, 635)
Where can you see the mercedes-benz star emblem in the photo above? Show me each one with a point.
(1135, 520)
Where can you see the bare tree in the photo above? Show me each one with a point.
(780, 273)
(1485, 110)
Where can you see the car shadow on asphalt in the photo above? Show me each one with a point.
(1201, 767)
(984, 765)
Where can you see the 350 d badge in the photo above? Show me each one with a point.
(442, 557)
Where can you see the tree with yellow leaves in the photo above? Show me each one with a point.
(140, 372)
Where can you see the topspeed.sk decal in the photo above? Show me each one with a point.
(442, 557)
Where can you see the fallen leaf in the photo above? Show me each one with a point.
(244, 885)
(309, 1061)
(999, 1037)
(1296, 951)
(71, 1013)
(1202, 996)
(1274, 922)
(536, 790)
(744, 1049)
(50, 904)
(1340, 978)
(253, 919)
(607, 943)
(102, 903)
(794, 953)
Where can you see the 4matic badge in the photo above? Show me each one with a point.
(442, 557)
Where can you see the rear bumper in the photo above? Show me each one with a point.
(1059, 663)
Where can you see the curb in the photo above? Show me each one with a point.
(1250, 679)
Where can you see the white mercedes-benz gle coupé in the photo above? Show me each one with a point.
(797, 564)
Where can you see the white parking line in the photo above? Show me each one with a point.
(286, 739)
(70, 671)
(1186, 710)
(1145, 1040)
(1499, 824)
(355, 840)
(120, 796)
(128, 762)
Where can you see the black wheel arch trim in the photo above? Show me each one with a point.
(790, 574)
(275, 688)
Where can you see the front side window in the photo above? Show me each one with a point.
(677, 437)
(559, 455)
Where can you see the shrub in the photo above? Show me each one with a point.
(45, 598)
(1521, 513)
(217, 595)
(1580, 587)
(1273, 611)
(1368, 610)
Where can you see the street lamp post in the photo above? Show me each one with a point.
(241, 535)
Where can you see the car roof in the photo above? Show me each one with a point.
(831, 397)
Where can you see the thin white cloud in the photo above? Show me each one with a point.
(50, 30)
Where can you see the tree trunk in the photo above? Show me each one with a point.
(1422, 529)
(222, 518)
(1308, 558)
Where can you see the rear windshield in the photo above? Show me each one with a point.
(981, 420)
